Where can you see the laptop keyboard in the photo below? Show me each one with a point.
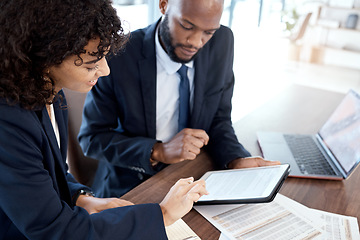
(307, 155)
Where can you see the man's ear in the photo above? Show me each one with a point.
(163, 6)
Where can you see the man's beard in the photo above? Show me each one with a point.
(164, 32)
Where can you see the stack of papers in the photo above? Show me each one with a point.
(282, 218)
(180, 231)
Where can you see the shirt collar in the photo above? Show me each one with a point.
(169, 65)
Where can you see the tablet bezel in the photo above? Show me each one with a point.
(262, 199)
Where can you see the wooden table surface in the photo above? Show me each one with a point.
(298, 109)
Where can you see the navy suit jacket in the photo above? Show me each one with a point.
(119, 119)
(36, 190)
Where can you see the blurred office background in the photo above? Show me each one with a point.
(279, 42)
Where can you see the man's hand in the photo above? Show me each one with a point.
(180, 199)
(251, 162)
(95, 205)
(185, 145)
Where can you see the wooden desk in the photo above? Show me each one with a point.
(298, 110)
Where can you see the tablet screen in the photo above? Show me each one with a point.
(241, 184)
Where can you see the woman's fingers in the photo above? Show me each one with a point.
(197, 191)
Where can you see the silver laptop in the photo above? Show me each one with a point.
(332, 153)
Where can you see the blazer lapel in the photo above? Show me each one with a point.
(201, 63)
(61, 118)
(59, 156)
(147, 69)
(49, 131)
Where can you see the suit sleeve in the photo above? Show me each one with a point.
(30, 201)
(224, 145)
(102, 135)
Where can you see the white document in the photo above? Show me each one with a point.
(223, 237)
(281, 219)
(334, 226)
(338, 227)
(259, 221)
(180, 231)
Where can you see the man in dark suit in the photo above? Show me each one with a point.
(135, 120)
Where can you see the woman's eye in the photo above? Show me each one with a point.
(210, 32)
(93, 69)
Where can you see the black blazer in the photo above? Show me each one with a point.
(119, 120)
(36, 189)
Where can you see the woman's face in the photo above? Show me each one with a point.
(80, 78)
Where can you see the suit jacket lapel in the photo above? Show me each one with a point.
(59, 156)
(147, 69)
(49, 131)
(200, 63)
(61, 117)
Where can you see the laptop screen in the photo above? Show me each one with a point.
(341, 132)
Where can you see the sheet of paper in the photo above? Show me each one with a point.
(181, 231)
(223, 237)
(337, 226)
(334, 226)
(283, 218)
(259, 221)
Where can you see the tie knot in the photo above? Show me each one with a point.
(183, 71)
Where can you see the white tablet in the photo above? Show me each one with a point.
(247, 185)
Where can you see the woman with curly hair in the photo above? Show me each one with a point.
(46, 45)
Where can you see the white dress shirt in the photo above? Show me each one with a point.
(167, 92)
(54, 124)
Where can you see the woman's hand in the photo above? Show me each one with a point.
(180, 199)
(95, 205)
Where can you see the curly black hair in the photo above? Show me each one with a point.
(38, 34)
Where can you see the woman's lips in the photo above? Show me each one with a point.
(93, 82)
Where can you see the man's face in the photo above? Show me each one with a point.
(187, 26)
